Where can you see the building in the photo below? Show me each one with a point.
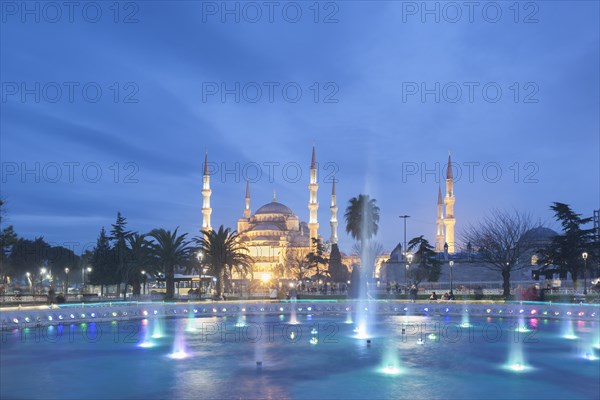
(274, 234)
(271, 235)
(444, 237)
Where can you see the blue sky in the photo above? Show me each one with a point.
(373, 136)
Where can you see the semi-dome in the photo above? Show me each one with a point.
(274, 208)
(266, 226)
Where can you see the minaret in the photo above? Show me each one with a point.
(206, 192)
(313, 204)
(449, 200)
(247, 211)
(333, 222)
(439, 235)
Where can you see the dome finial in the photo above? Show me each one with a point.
(274, 196)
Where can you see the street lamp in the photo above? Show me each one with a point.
(584, 255)
(29, 281)
(409, 257)
(66, 282)
(42, 273)
(451, 265)
(404, 218)
(144, 283)
(200, 257)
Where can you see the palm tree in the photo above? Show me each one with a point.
(362, 223)
(140, 259)
(169, 250)
(223, 251)
(362, 217)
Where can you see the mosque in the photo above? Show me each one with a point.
(274, 234)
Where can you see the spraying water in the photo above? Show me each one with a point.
(179, 345)
(146, 334)
(157, 329)
(191, 323)
(293, 317)
(568, 332)
(465, 318)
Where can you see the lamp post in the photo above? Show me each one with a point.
(409, 257)
(66, 282)
(406, 279)
(202, 286)
(584, 255)
(404, 218)
(89, 270)
(42, 273)
(451, 265)
(144, 282)
(200, 257)
(29, 281)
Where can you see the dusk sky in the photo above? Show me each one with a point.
(370, 121)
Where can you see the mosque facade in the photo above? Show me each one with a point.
(273, 234)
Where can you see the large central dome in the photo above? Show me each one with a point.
(274, 208)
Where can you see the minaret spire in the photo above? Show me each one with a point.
(206, 193)
(439, 235)
(333, 222)
(247, 211)
(449, 201)
(313, 204)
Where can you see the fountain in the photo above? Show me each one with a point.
(516, 361)
(390, 361)
(179, 348)
(568, 332)
(146, 342)
(521, 326)
(241, 321)
(465, 318)
(191, 323)
(348, 316)
(293, 318)
(157, 329)
(588, 346)
(363, 314)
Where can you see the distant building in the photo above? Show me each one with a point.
(445, 218)
(274, 232)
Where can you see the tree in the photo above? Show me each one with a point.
(362, 223)
(500, 239)
(119, 235)
(337, 270)
(317, 257)
(31, 255)
(223, 251)
(138, 260)
(169, 250)
(102, 261)
(427, 265)
(8, 238)
(362, 217)
(563, 254)
(296, 263)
